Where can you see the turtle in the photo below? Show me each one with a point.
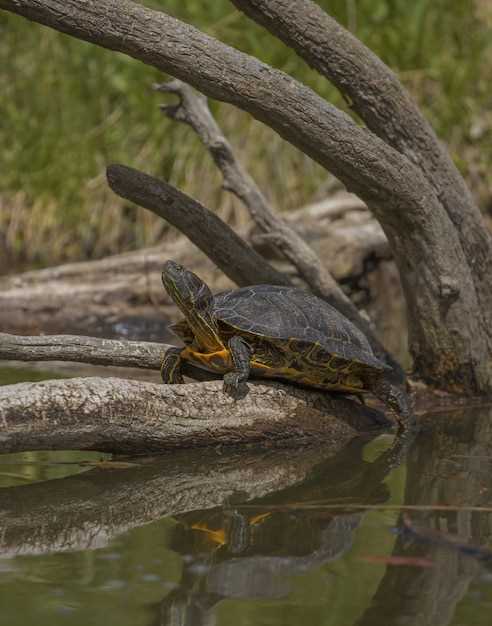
(274, 331)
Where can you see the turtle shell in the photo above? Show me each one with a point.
(286, 314)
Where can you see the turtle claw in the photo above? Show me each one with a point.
(234, 386)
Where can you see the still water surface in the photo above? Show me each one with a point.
(286, 537)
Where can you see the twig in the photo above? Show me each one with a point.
(214, 237)
(192, 109)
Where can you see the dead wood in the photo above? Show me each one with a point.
(208, 232)
(117, 415)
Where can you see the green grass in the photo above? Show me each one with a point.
(68, 109)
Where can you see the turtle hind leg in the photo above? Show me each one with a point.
(171, 367)
(241, 356)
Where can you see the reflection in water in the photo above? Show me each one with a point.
(280, 537)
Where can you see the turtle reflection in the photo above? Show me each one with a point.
(254, 551)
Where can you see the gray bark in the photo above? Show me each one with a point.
(116, 415)
(112, 353)
(450, 338)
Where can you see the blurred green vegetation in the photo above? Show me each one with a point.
(69, 108)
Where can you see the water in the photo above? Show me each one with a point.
(278, 538)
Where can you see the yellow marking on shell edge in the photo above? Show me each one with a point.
(221, 361)
(170, 372)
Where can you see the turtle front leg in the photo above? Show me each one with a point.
(241, 355)
(171, 367)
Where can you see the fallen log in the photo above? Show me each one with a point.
(126, 416)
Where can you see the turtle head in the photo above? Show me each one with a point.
(185, 288)
(194, 299)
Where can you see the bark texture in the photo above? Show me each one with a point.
(116, 415)
(449, 334)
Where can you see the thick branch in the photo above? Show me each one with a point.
(388, 110)
(214, 237)
(116, 415)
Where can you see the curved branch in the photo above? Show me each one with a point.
(379, 98)
(215, 238)
(116, 415)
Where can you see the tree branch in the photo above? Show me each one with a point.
(91, 350)
(379, 98)
(193, 110)
(214, 237)
(116, 415)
